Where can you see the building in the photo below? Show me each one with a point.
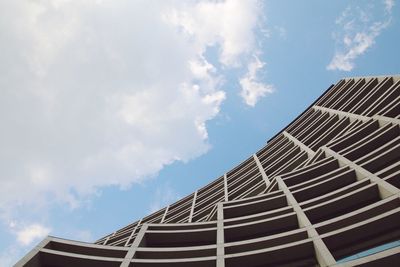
(324, 191)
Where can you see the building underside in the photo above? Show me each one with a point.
(325, 191)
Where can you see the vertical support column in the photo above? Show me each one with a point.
(309, 151)
(342, 114)
(297, 142)
(192, 208)
(385, 188)
(226, 186)
(261, 169)
(384, 120)
(133, 232)
(323, 255)
(108, 238)
(165, 214)
(135, 245)
(220, 236)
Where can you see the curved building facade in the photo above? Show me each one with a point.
(325, 191)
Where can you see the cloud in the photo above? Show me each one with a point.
(389, 4)
(208, 23)
(31, 233)
(229, 24)
(100, 93)
(252, 89)
(281, 31)
(359, 28)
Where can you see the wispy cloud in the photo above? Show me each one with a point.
(252, 88)
(389, 4)
(30, 233)
(164, 195)
(10, 255)
(358, 29)
(24, 236)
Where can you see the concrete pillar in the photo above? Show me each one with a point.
(261, 169)
(135, 245)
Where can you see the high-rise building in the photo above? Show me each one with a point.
(324, 191)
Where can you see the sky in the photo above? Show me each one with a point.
(110, 110)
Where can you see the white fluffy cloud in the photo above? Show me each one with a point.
(229, 24)
(359, 28)
(209, 23)
(97, 93)
(31, 233)
(252, 88)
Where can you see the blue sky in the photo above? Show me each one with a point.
(110, 110)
